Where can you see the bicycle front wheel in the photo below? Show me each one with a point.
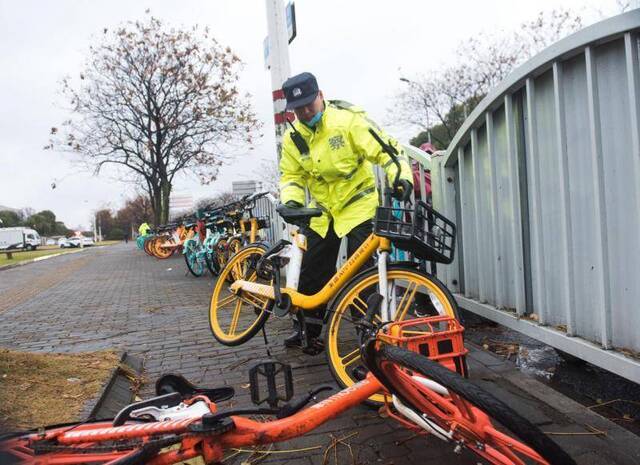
(195, 265)
(462, 412)
(411, 294)
(236, 318)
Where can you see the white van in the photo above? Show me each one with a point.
(19, 238)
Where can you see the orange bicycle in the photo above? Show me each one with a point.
(425, 394)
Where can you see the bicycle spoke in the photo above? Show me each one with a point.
(235, 318)
(253, 300)
(406, 301)
(465, 409)
(226, 300)
(350, 358)
(361, 306)
(236, 272)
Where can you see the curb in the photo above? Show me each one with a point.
(571, 409)
(117, 392)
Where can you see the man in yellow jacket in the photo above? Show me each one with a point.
(144, 229)
(335, 163)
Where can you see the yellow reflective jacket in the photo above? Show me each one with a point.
(144, 227)
(338, 170)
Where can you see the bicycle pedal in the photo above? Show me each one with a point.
(267, 379)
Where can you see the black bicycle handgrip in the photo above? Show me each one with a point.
(392, 152)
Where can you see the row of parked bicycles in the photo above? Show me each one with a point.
(393, 340)
(209, 238)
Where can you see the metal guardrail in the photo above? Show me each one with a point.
(543, 181)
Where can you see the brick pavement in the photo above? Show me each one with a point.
(117, 297)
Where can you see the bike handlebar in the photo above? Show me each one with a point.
(392, 152)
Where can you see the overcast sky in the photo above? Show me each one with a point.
(357, 49)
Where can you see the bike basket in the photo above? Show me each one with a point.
(437, 337)
(264, 222)
(421, 230)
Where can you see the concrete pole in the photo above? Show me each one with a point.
(279, 65)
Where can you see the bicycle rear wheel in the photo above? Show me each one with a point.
(212, 263)
(159, 250)
(464, 412)
(236, 318)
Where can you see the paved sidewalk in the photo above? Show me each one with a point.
(117, 297)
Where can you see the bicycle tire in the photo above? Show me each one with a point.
(464, 388)
(222, 283)
(161, 252)
(212, 263)
(334, 327)
(146, 246)
(191, 262)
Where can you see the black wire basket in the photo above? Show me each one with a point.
(421, 230)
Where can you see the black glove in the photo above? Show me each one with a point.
(293, 204)
(403, 190)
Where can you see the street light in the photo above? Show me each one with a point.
(415, 84)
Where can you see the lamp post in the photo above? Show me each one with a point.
(413, 84)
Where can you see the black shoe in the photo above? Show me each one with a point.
(315, 347)
(295, 340)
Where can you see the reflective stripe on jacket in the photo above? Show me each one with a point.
(338, 170)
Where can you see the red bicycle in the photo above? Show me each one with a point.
(418, 364)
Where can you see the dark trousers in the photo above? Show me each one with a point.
(319, 265)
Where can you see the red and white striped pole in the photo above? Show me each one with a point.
(279, 64)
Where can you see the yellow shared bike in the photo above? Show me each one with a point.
(249, 288)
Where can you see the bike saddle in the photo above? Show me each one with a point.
(290, 214)
(170, 383)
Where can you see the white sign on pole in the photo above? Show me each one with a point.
(265, 47)
(291, 21)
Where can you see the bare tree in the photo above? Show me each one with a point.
(218, 200)
(157, 101)
(623, 5)
(445, 96)
(268, 174)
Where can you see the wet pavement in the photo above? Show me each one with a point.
(117, 297)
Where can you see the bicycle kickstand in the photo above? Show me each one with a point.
(266, 341)
(309, 346)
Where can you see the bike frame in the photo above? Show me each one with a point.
(246, 432)
(251, 231)
(347, 271)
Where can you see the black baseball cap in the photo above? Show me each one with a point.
(300, 90)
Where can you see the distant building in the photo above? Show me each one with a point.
(240, 188)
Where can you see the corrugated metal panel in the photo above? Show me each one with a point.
(547, 196)
(621, 182)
